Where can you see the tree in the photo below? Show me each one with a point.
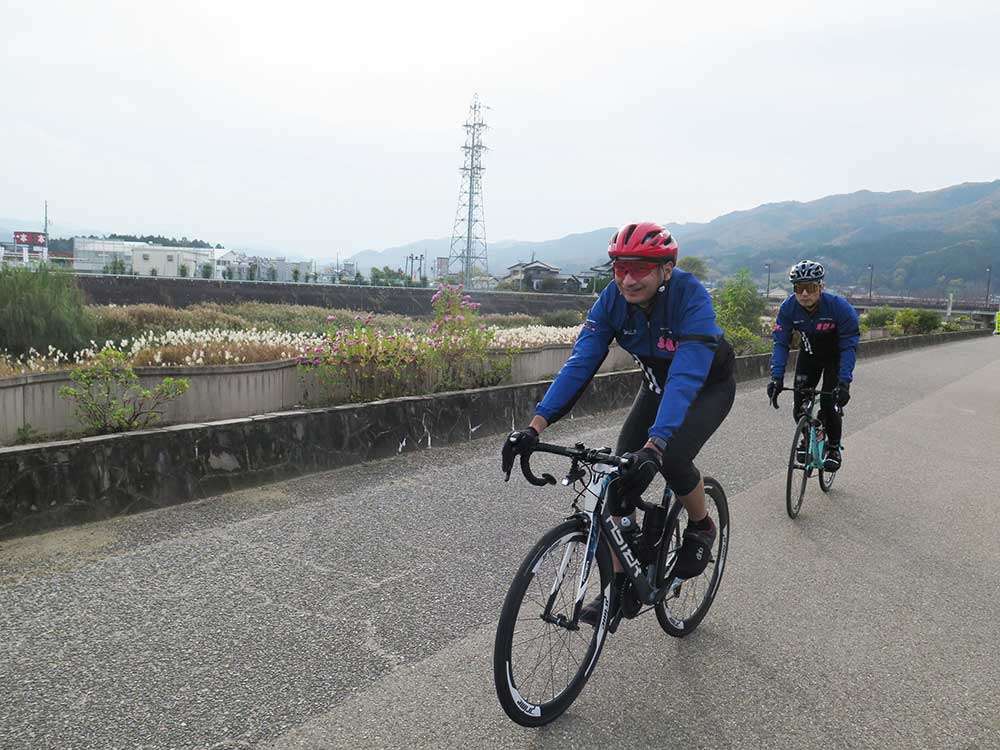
(295, 275)
(206, 271)
(183, 270)
(153, 272)
(386, 276)
(40, 308)
(116, 267)
(252, 272)
(694, 265)
(227, 273)
(738, 303)
(600, 283)
(359, 279)
(272, 273)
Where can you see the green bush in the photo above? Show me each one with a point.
(109, 398)
(41, 308)
(913, 321)
(879, 317)
(562, 318)
(745, 341)
(738, 303)
(738, 310)
(366, 364)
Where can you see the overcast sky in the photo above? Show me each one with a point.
(318, 128)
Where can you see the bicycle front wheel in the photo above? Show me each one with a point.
(826, 480)
(541, 660)
(795, 488)
(680, 612)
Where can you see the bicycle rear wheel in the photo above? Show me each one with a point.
(794, 488)
(680, 612)
(541, 665)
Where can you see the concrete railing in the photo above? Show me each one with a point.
(225, 391)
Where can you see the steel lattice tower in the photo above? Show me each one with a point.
(468, 239)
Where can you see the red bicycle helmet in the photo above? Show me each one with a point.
(643, 240)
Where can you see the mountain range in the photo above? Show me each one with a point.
(917, 242)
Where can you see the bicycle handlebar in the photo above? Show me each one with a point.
(810, 393)
(579, 452)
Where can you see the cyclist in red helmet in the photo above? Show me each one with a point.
(663, 316)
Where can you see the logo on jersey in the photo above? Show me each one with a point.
(666, 344)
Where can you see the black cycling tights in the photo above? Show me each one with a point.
(704, 416)
(807, 372)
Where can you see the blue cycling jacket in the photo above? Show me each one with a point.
(678, 345)
(829, 333)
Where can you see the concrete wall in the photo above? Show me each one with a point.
(129, 290)
(53, 484)
(216, 393)
(546, 361)
(224, 392)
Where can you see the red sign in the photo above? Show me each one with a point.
(35, 239)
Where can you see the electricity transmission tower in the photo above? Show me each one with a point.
(468, 239)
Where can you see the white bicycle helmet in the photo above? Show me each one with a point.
(806, 270)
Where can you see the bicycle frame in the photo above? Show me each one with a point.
(817, 446)
(599, 521)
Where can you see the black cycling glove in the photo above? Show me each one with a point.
(516, 443)
(775, 387)
(843, 394)
(634, 480)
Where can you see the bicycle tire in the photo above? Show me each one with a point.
(826, 480)
(695, 594)
(793, 499)
(515, 686)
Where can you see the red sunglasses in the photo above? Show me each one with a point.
(637, 269)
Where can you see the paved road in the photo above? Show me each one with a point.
(356, 608)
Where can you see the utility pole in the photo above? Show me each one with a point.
(767, 294)
(871, 278)
(989, 278)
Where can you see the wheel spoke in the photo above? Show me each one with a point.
(546, 658)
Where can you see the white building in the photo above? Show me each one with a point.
(103, 256)
(138, 258)
(236, 265)
(156, 260)
(22, 255)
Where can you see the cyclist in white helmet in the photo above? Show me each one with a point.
(828, 327)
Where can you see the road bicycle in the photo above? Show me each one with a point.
(809, 431)
(543, 655)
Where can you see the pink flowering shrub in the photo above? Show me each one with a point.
(366, 364)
